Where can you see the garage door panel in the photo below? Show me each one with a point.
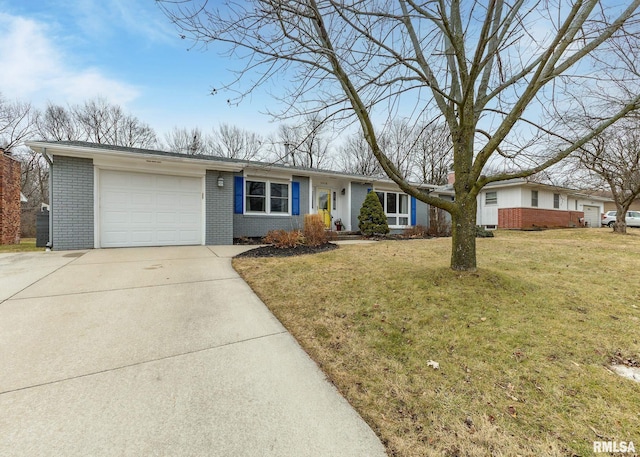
(164, 218)
(141, 236)
(189, 219)
(116, 217)
(141, 209)
(142, 217)
(188, 236)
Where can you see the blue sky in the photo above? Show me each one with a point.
(127, 51)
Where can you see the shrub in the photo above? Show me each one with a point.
(314, 230)
(417, 231)
(282, 239)
(439, 222)
(372, 220)
(482, 232)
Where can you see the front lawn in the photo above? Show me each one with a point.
(521, 347)
(25, 245)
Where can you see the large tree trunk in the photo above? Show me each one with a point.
(620, 226)
(463, 232)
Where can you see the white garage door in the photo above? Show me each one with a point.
(141, 209)
(592, 215)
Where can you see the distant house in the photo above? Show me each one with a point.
(107, 196)
(523, 204)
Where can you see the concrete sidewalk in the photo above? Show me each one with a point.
(157, 351)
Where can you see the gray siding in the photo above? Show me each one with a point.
(255, 225)
(304, 193)
(422, 213)
(358, 194)
(72, 203)
(219, 208)
(258, 226)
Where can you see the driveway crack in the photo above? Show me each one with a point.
(144, 362)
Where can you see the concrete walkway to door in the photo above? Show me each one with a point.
(157, 351)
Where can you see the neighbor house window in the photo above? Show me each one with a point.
(534, 198)
(556, 201)
(491, 198)
(267, 197)
(396, 207)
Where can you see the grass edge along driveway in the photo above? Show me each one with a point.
(521, 347)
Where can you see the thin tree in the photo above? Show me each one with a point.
(17, 123)
(101, 122)
(188, 141)
(355, 157)
(614, 157)
(307, 142)
(498, 74)
(236, 143)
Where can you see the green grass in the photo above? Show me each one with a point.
(523, 345)
(26, 245)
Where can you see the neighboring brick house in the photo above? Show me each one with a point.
(9, 199)
(524, 204)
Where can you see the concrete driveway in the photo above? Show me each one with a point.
(157, 351)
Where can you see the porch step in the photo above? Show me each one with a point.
(343, 236)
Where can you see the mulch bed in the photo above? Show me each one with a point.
(272, 251)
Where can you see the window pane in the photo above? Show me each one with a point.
(279, 205)
(256, 188)
(392, 207)
(279, 190)
(391, 221)
(256, 204)
(403, 221)
(404, 204)
(534, 198)
(491, 198)
(556, 200)
(381, 198)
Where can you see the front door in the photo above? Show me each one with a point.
(324, 206)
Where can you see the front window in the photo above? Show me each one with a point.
(268, 198)
(491, 198)
(534, 198)
(396, 207)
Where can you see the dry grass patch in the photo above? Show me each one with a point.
(522, 345)
(25, 245)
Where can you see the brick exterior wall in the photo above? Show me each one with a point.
(522, 218)
(72, 203)
(9, 200)
(219, 208)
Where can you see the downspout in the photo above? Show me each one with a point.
(50, 162)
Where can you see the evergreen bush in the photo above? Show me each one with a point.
(372, 220)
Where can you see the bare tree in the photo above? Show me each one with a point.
(100, 122)
(396, 141)
(433, 154)
(236, 143)
(17, 123)
(355, 157)
(57, 123)
(614, 157)
(500, 75)
(307, 142)
(188, 141)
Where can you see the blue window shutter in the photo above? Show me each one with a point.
(295, 197)
(414, 207)
(238, 194)
(368, 190)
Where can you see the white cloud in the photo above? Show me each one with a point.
(37, 69)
